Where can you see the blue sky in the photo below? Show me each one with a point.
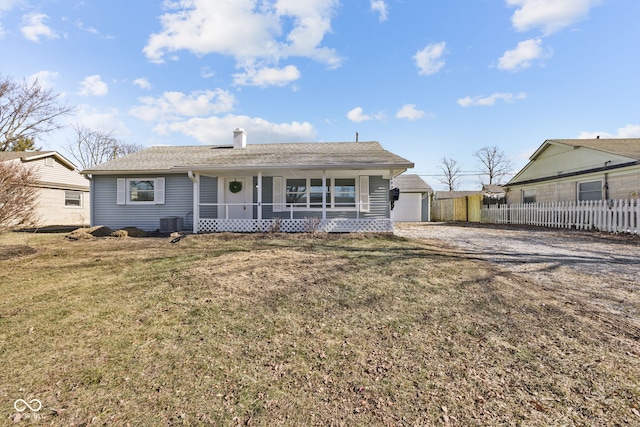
(428, 79)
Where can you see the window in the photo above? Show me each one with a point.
(345, 193)
(315, 193)
(73, 199)
(529, 196)
(296, 192)
(591, 190)
(140, 191)
(306, 193)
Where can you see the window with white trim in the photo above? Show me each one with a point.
(306, 193)
(591, 190)
(529, 195)
(140, 191)
(72, 199)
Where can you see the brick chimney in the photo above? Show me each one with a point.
(239, 138)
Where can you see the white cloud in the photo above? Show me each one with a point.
(629, 131)
(46, 79)
(218, 130)
(106, 120)
(521, 57)
(380, 7)
(176, 105)
(83, 27)
(357, 115)
(8, 4)
(142, 83)
(256, 35)
(206, 72)
(267, 76)
(33, 27)
(410, 112)
(429, 60)
(489, 101)
(93, 86)
(549, 15)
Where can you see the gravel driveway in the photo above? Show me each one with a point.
(595, 270)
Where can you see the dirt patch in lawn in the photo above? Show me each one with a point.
(13, 251)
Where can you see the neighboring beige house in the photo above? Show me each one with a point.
(414, 201)
(579, 169)
(64, 192)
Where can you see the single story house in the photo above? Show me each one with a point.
(289, 187)
(414, 201)
(577, 170)
(63, 198)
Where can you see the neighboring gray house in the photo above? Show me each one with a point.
(414, 202)
(63, 197)
(289, 187)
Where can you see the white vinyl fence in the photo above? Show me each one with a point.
(613, 216)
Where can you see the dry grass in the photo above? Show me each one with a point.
(300, 330)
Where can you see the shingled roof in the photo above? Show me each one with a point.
(23, 155)
(628, 147)
(312, 155)
(28, 156)
(411, 183)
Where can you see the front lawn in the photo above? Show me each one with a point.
(297, 330)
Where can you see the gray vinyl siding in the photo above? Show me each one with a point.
(378, 198)
(208, 194)
(105, 211)
(426, 207)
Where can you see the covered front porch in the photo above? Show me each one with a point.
(291, 202)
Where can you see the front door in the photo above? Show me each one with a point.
(235, 196)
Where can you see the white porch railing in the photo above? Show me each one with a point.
(307, 225)
(292, 219)
(613, 216)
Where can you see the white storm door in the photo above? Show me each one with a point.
(237, 205)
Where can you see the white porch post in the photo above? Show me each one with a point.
(260, 195)
(196, 200)
(324, 194)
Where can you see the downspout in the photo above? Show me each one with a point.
(92, 193)
(196, 200)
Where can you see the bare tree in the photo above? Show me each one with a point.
(494, 164)
(92, 147)
(451, 173)
(18, 196)
(27, 110)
